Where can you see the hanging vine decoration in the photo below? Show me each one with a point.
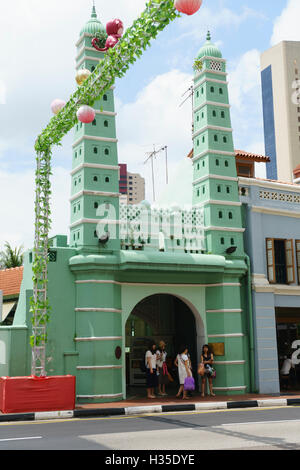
(156, 16)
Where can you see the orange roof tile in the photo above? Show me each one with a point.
(243, 155)
(10, 281)
(251, 156)
(297, 172)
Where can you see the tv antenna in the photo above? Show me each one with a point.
(191, 93)
(151, 156)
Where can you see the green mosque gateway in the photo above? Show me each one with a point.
(129, 274)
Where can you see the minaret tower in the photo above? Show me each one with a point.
(215, 183)
(95, 171)
(95, 196)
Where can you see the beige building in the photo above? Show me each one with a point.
(135, 188)
(280, 72)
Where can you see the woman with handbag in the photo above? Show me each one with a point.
(182, 361)
(205, 370)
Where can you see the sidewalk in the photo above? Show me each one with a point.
(137, 405)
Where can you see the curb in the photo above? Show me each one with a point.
(138, 410)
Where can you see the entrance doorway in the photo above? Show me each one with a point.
(288, 345)
(158, 317)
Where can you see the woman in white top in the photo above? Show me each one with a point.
(183, 363)
(151, 374)
(162, 369)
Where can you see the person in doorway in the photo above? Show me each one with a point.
(162, 369)
(207, 359)
(151, 372)
(285, 372)
(183, 363)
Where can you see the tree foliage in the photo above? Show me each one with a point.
(11, 257)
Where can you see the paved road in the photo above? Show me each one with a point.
(258, 428)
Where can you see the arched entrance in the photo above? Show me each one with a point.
(159, 317)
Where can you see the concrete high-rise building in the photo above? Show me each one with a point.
(132, 185)
(280, 73)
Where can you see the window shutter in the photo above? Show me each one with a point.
(290, 266)
(298, 259)
(271, 260)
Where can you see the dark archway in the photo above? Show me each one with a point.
(158, 317)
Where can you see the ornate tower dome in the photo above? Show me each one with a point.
(209, 49)
(94, 25)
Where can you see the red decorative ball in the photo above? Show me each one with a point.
(115, 28)
(111, 41)
(86, 114)
(189, 7)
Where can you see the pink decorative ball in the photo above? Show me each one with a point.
(86, 114)
(189, 7)
(57, 105)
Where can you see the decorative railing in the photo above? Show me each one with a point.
(143, 227)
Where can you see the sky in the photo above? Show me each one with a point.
(37, 65)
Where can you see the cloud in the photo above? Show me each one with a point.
(245, 99)
(17, 206)
(213, 18)
(2, 92)
(37, 61)
(286, 26)
(156, 117)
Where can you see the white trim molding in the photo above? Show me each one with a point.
(211, 103)
(94, 221)
(84, 35)
(99, 338)
(214, 152)
(224, 229)
(215, 177)
(102, 309)
(145, 284)
(83, 49)
(95, 138)
(271, 211)
(213, 80)
(227, 335)
(93, 193)
(108, 395)
(96, 166)
(260, 284)
(225, 310)
(207, 71)
(209, 57)
(106, 113)
(87, 57)
(213, 128)
(218, 203)
(270, 184)
(98, 367)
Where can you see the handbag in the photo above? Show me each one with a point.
(189, 384)
(201, 369)
(211, 372)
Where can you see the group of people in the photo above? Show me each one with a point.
(158, 376)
